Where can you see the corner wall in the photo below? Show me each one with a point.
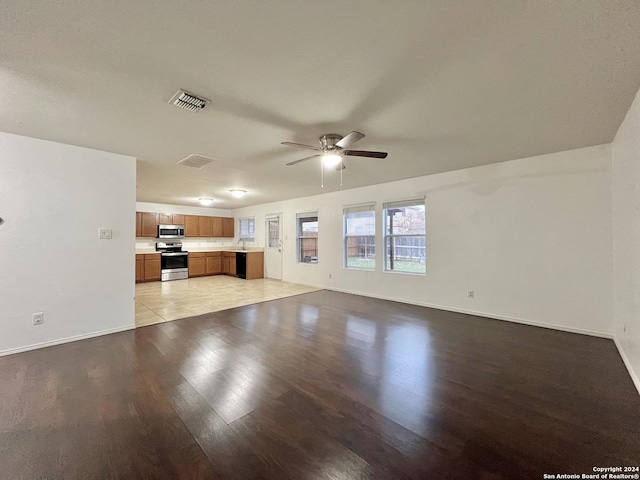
(53, 199)
(626, 239)
(531, 237)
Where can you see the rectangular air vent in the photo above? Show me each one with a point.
(189, 101)
(195, 161)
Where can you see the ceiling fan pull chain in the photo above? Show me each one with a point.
(321, 174)
(341, 169)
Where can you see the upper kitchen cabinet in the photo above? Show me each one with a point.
(227, 227)
(191, 226)
(149, 225)
(164, 219)
(217, 226)
(205, 226)
(138, 224)
(177, 219)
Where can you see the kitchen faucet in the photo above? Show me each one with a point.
(243, 241)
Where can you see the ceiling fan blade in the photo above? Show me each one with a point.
(349, 139)
(301, 145)
(302, 160)
(364, 153)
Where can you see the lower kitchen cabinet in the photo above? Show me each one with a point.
(213, 263)
(229, 263)
(148, 266)
(197, 264)
(139, 268)
(152, 267)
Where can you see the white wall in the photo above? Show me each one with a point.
(149, 243)
(626, 239)
(532, 237)
(53, 199)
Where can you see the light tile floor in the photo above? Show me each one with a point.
(158, 302)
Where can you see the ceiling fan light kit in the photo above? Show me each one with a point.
(332, 150)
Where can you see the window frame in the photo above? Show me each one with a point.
(346, 210)
(250, 221)
(387, 237)
(300, 237)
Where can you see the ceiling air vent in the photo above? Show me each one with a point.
(195, 161)
(189, 101)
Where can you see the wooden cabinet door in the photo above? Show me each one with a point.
(214, 264)
(177, 219)
(232, 265)
(225, 265)
(217, 226)
(255, 265)
(197, 264)
(139, 268)
(138, 224)
(149, 225)
(164, 219)
(205, 227)
(190, 225)
(227, 227)
(152, 267)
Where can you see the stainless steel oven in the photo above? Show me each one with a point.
(174, 262)
(170, 231)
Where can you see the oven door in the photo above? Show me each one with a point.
(174, 266)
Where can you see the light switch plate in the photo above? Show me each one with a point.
(104, 234)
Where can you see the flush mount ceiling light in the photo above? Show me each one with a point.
(205, 202)
(236, 192)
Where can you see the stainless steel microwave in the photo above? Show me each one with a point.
(170, 231)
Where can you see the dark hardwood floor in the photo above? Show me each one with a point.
(321, 385)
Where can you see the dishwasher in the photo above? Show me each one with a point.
(241, 264)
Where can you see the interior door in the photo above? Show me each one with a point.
(273, 247)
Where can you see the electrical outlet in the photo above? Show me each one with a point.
(104, 234)
(470, 294)
(38, 318)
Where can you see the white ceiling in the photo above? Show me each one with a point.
(440, 85)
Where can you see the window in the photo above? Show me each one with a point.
(307, 237)
(404, 236)
(360, 236)
(247, 229)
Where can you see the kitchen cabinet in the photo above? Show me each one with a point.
(213, 263)
(191, 225)
(217, 226)
(205, 226)
(255, 265)
(149, 225)
(197, 264)
(151, 267)
(139, 268)
(138, 224)
(227, 227)
(177, 219)
(229, 263)
(164, 219)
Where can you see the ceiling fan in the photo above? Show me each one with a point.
(333, 147)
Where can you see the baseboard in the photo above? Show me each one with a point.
(60, 341)
(627, 363)
(483, 314)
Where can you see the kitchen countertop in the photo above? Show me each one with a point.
(141, 251)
